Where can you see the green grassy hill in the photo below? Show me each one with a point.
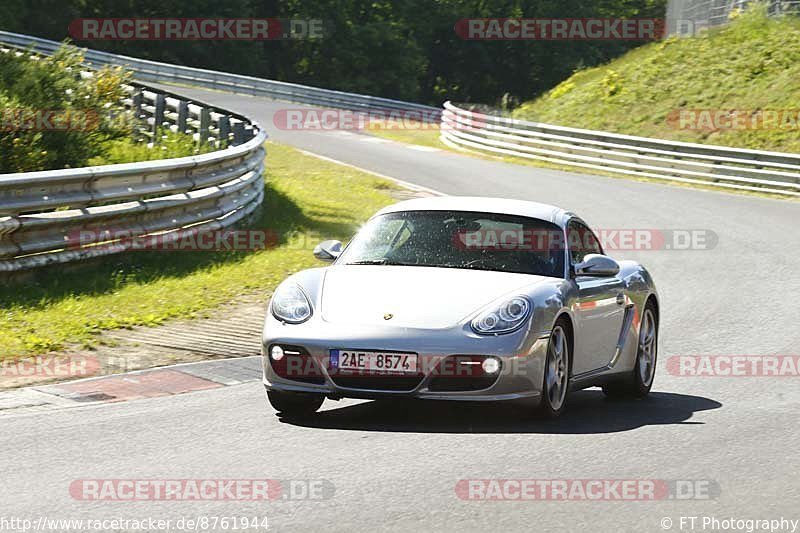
(751, 65)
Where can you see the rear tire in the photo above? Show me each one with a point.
(640, 381)
(555, 382)
(295, 403)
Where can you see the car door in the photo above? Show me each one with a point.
(599, 309)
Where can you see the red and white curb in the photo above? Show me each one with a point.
(152, 383)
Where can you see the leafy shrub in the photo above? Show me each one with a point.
(31, 88)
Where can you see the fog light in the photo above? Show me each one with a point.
(490, 365)
(277, 353)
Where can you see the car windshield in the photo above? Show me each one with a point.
(456, 239)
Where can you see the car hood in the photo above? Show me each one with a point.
(415, 297)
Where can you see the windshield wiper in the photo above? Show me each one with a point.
(383, 261)
(368, 262)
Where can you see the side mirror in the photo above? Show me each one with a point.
(597, 265)
(328, 250)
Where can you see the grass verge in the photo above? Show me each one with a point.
(306, 199)
(408, 132)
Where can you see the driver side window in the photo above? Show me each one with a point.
(581, 241)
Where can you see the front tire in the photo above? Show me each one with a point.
(639, 383)
(295, 403)
(555, 385)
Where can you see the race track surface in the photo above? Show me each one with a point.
(395, 466)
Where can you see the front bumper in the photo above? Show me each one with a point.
(522, 355)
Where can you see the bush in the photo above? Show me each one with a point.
(85, 113)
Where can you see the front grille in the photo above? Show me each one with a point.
(373, 382)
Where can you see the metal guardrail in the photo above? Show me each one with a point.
(58, 216)
(157, 110)
(718, 166)
(154, 71)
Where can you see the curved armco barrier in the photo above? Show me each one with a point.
(66, 215)
(718, 166)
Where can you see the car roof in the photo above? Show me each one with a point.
(478, 204)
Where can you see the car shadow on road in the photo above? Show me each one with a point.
(588, 412)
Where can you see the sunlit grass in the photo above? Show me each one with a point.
(409, 132)
(751, 65)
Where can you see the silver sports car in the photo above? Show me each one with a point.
(472, 299)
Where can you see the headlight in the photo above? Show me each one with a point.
(290, 304)
(502, 318)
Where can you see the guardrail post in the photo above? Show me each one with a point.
(137, 99)
(158, 116)
(137, 103)
(205, 124)
(183, 115)
(238, 133)
(224, 131)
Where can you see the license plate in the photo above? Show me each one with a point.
(374, 362)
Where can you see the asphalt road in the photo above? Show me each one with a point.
(395, 466)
